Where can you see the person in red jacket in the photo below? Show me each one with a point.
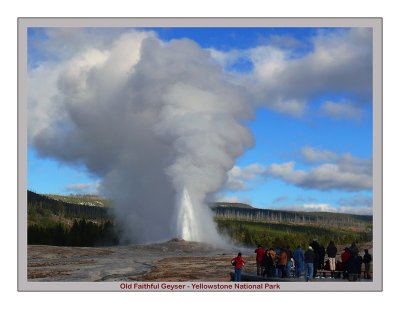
(345, 262)
(259, 258)
(238, 262)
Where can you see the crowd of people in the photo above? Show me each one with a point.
(285, 263)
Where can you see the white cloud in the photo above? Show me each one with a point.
(327, 208)
(310, 208)
(312, 155)
(341, 172)
(238, 177)
(341, 110)
(324, 177)
(286, 82)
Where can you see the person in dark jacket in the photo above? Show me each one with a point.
(367, 258)
(315, 246)
(238, 262)
(352, 263)
(298, 256)
(321, 257)
(309, 258)
(269, 263)
(331, 251)
(353, 250)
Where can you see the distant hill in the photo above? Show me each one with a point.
(230, 205)
(86, 200)
(246, 212)
(59, 206)
(92, 207)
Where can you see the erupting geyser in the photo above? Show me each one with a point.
(187, 223)
(159, 123)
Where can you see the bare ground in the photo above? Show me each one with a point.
(175, 260)
(171, 261)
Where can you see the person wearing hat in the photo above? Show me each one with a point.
(309, 257)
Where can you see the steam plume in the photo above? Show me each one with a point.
(158, 122)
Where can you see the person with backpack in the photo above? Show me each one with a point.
(259, 258)
(238, 262)
(331, 251)
(367, 258)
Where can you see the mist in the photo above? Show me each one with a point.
(160, 123)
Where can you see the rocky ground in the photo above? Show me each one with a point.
(175, 260)
(171, 261)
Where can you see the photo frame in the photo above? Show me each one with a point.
(85, 284)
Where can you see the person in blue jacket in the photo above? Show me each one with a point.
(298, 256)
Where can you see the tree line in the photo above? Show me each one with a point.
(269, 215)
(282, 234)
(82, 233)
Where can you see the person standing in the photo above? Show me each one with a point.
(282, 262)
(315, 246)
(269, 263)
(353, 250)
(289, 261)
(309, 258)
(259, 258)
(321, 256)
(367, 258)
(298, 256)
(238, 262)
(331, 251)
(345, 262)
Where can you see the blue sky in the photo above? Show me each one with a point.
(311, 89)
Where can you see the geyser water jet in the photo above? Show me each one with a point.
(187, 228)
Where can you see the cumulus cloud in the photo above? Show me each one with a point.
(341, 110)
(313, 155)
(238, 177)
(324, 177)
(152, 119)
(286, 82)
(341, 172)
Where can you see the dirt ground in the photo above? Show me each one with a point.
(171, 261)
(175, 260)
